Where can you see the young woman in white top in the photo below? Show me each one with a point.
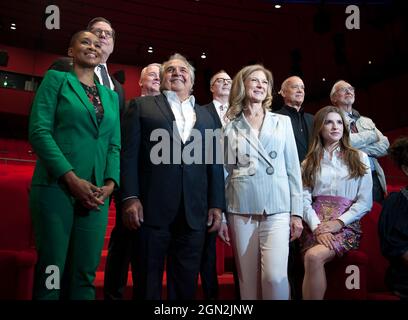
(337, 186)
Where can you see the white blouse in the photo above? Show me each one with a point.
(333, 180)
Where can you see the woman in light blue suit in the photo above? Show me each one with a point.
(263, 186)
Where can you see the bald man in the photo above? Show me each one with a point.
(293, 94)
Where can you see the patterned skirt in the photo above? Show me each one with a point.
(330, 208)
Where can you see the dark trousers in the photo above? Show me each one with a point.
(208, 268)
(181, 247)
(295, 270)
(117, 263)
(120, 254)
(378, 192)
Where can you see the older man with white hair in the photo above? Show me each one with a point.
(364, 135)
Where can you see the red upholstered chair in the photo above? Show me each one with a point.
(17, 255)
(371, 265)
(377, 264)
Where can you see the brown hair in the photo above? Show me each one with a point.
(100, 19)
(351, 156)
(237, 98)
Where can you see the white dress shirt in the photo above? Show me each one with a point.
(221, 113)
(98, 74)
(333, 180)
(183, 113)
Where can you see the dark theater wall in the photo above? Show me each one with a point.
(35, 63)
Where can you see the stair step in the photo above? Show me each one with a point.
(226, 287)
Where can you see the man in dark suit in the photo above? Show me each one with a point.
(169, 199)
(102, 28)
(293, 94)
(220, 86)
(121, 249)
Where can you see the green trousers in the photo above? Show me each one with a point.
(69, 240)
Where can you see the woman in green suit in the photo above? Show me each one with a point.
(75, 132)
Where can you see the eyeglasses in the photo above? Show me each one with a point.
(344, 89)
(222, 80)
(108, 33)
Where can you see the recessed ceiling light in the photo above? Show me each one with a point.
(203, 55)
(323, 79)
(369, 62)
(278, 6)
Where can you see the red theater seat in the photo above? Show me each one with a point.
(370, 264)
(17, 255)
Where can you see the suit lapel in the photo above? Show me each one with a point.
(258, 144)
(212, 109)
(164, 107)
(77, 88)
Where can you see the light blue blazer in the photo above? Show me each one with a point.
(263, 173)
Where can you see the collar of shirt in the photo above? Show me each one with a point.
(293, 109)
(173, 97)
(353, 116)
(97, 71)
(218, 104)
(336, 154)
(221, 114)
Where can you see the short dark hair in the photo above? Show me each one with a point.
(100, 19)
(399, 151)
(76, 35)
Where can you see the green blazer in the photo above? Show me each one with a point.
(65, 135)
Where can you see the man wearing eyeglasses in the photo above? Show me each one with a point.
(220, 86)
(363, 135)
(293, 94)
(102, 28)
(116, 268)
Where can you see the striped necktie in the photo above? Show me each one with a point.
(105, 77)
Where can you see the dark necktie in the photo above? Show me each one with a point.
(353, 127)
(105, 77)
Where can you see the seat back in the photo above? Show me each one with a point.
(370, 244)
(15, 226)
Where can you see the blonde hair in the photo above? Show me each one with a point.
(237, 98)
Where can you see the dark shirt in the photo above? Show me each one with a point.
(393, 231)
(93, 96)
(300, 126)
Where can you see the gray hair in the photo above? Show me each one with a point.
(333, 90)
(178, 56)
(144, 70)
